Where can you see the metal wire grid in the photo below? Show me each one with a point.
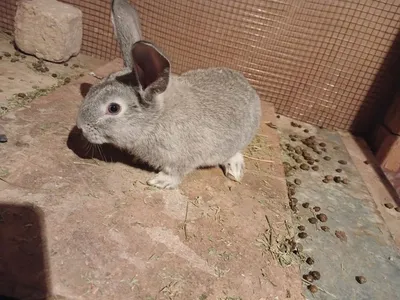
(7, 13)
(315, 60)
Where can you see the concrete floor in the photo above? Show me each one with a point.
(380, 186)
(90, 229)
(359, 242)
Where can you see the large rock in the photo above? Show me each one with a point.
(48, 29)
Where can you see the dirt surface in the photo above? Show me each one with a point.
(96, 231)
(23, 78)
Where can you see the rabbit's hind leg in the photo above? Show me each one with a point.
(234, 167)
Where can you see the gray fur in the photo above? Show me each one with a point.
(205, 117)
(127, 29)
(176, 124)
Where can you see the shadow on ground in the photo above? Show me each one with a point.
(23, 253)
(77, 143)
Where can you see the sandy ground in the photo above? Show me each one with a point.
(23, 78)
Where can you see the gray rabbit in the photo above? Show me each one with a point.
(174, 123)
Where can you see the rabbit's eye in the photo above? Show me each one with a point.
(114, 108)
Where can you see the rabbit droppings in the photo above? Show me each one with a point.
(176, 124)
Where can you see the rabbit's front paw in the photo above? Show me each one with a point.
(164, 181)
(234, 167)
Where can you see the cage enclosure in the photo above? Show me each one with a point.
(325, 64)
(329, 63)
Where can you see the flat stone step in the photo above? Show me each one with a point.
(96, 231)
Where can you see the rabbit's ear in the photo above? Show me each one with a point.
(151, 67)
(127, 29)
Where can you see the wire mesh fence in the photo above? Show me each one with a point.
(323, 62)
